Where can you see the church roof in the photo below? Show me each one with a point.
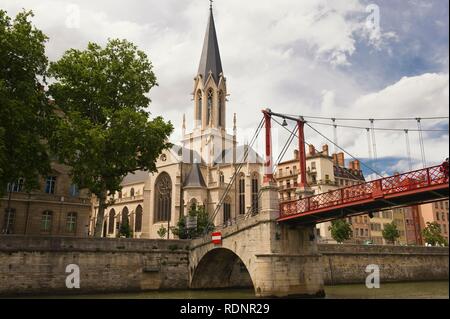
(227, 156)
(195, 177)
(210, 59)
(135, 177)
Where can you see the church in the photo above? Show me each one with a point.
(208, 168)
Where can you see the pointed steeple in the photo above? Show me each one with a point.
(210, 62)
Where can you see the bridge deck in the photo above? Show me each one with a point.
(417, 187)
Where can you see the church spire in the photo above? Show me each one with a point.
(210, 62)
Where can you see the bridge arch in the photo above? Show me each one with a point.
(221, 268)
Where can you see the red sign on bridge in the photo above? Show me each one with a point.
(217, 238)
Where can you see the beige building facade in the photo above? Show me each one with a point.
(325, 173)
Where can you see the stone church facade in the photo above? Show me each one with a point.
(199, 171)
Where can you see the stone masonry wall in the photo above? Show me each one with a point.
(344, 264)
(37, 265)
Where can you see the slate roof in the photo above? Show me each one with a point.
(195, 177)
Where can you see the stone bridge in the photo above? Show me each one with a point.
(277, 260)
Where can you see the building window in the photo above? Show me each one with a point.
(50, 184)
(437, 216)
(71, 224)
(111, 221)
(199, 105)
(74, 191)
(221, 178)
(220, 108)
(442, 205)
(132, 192)
(242, 195)
(226, 211)
(16, 186)
(138, 220)
(120, 195)
(8, 221)
(255, 194)
(210, 107)
(163, 198)
(313, 165)
(46, 222)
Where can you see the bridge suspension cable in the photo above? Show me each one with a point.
(233, 178)
(408, 149)
(422, 145)
(378, 128)
(375, 119)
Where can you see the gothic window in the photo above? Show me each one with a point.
(8, 221)
(124, 220)
(46, 221)
(138, 221)
(71, 222)
(199, 105)
(220, 108)
(163, 198)
(242, 194)
(226, 211)
(255, 195)
(112, 216)
(210, 106)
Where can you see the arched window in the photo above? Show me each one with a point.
(226, 210)
(71, 222)
(132, 192)
(242, 194)
(199, 105)
(220, 108)
(255, 195)
(125, 215)
(111, 221)
(221, 178)
(163, 198)
(46, 221)
(210, 106)
(138, 219)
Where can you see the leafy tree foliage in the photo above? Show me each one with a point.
(432, 235)
(105, 132)
(391, 233)
(203, 224)
(341, 230)
(26, 117)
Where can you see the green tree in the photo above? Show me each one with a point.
(391, 233)
(162, 232)
(125, 230)
(341, 230)
(203, 224)
(26, 117)
(105, 132)
(432, 235)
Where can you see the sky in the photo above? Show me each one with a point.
(327, 58)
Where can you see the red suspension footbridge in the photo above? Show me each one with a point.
(414, 187)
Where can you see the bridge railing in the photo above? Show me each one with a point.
(436, 175)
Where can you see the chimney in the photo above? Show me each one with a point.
(296, 154)
(325, 150)
(335, 159)
(312, 150)
(341, 159)
(357, 165)
(351, 165)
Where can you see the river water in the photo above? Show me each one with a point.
(411, 290)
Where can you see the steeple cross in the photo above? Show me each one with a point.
(210, 3)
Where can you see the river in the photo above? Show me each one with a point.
(410, 290)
